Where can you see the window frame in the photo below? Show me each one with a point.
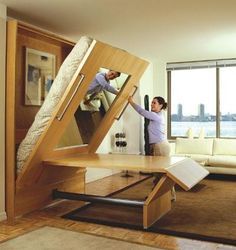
(219, 64)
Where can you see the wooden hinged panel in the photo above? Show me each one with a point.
(101, 55)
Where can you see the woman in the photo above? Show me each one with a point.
(159, 146)
(156, 127)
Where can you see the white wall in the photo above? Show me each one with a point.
(2, 109)
(160, 82)
(160, 79)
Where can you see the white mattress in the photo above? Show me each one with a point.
(63, 78)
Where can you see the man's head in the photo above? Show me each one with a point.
(112, 74)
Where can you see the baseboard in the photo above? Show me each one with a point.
(3, 216)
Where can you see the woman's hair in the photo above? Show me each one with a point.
(162, 101)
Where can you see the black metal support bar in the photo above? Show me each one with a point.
(94, 198)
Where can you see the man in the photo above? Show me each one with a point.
(101, 82)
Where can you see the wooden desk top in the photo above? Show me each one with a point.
(181, 170)
(151, 164)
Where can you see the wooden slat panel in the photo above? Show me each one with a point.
(163, 186)
(158, 202)
(156, 209)
(10, 119)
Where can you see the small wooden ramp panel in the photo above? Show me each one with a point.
(187, 173)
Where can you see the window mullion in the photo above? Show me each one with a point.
(217, 102)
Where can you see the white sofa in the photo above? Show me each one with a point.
(217, 155)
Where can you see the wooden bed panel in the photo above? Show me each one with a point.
(102, 55)
(10, 119)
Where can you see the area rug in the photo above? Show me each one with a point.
(46, 238)
(207, 212)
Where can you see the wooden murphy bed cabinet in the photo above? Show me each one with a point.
(19, 118)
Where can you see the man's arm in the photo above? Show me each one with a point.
(106, 85)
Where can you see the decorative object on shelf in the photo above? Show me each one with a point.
(120, 142)
(190, 133)
(202, 133)
(39, 75)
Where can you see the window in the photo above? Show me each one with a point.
(227, 80)
(200, 95)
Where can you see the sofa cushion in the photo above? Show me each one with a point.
(201, 159)
(194, 146)
(228, 161)
(221, 170)
(224, 147)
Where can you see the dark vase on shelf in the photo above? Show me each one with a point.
(120, 142)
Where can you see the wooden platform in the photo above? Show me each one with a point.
(181, 170)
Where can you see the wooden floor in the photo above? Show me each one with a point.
(51, 217)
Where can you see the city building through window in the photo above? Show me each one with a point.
(201, 97)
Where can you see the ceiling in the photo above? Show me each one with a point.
(164, 30)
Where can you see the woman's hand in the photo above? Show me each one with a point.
(130, 100)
